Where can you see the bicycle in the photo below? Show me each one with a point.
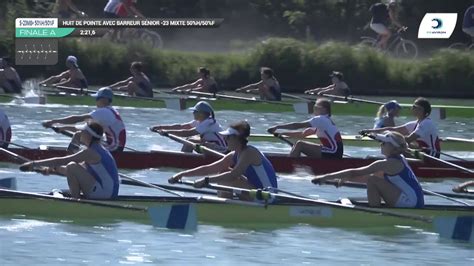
(402, 47)
(462, 46)
(128, 35)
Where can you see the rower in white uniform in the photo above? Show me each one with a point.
(398, 186)
(204, 125)
(5, 130)
(423, 130)
(91, 171)
(325, 129)
(250, 169)
(107, 116)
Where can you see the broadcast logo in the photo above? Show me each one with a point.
(437, 25)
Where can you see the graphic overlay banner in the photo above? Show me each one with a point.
(437, 25)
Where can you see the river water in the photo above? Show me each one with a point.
(27, 242)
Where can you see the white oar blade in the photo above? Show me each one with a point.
(457, 227)
(8, 182)
(176, 216)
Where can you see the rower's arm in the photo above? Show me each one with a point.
(183, 132)
(53, 79)
(173, 126)
(400, 129)
(73, 119)
(86, 155)
(250, 86)
(121, 83)
(73, 7)
(215, 167)
(246, 159)
(290, 126)
(377, 166)
(189, 85)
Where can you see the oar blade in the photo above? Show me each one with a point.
(455, 227)
(176, 216)
(8, 182)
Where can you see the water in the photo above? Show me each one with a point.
(38, 242)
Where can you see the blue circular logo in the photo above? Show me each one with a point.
(439, 23)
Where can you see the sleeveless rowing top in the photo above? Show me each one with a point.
(105, 171)
(427, 135)
(111, 6)
(262, 175)
(209, 132)
(327, 132)
(5, 129)
(407, 182)
(114, 128)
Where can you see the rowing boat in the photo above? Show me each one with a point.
(448, 143)
(232, 213)
(281, 162)
(247, 104)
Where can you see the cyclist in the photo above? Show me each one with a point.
(468, 21)
(382, 16)
(127, 8)
(66, 8)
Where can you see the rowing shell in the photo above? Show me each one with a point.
(281, 162)
(244, 104)
(235, 213)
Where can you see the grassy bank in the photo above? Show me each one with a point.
(298, 65)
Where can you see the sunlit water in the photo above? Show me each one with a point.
(25, 242)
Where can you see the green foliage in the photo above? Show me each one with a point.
(297, 65)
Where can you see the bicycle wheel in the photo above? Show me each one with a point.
(458, 46)
(406, 49)
(368, 42)
(151, 38)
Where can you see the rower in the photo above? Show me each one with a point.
(398, 187)
(136, 85)
(338, 86)
(92, 170)
(331, 146)
(386, 114)
(250, 169)
(105, 115)
(73, 77)
(423, 130)
(204, 124)
(268, 88)
(5, 130)
(205, 83)
(10, 81)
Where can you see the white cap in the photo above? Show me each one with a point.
(230, 131)
(387, 138)
(89, 130)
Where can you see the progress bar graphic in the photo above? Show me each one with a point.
(36, 51)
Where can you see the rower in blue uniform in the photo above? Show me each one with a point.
(398, 186)
(92, 171)
(250, 169)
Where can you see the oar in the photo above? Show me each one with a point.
(350, 99)
(199, 148)
(447, 196)
(421, 155)
(169, 187)
(16, 145)
(150, 185)
(297, 97)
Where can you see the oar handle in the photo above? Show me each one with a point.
(64, 132)
(280, 137)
